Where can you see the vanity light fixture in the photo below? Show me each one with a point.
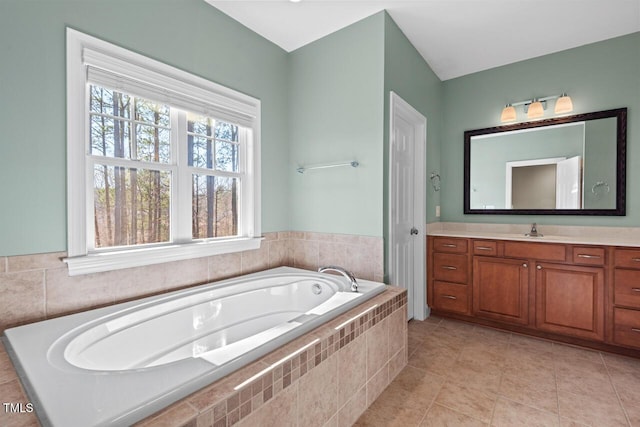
(508, 114)
(563, 104)
(534, 108)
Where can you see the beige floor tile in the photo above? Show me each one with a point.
(468, 401)
(591, 410)
(627, 385)
(438, 360)
(493, 335)
(414, 344)
(421, 330)
(421, 386)
(405, 401)
(622, 364)
(530, 343)
(568, 352)
(482, 376)
(522, 359)
(485, 353)
(530, 387)
(512, 414)
(433, 319)
(440, 416)
(450, 338)
(457, 328)
(583, 377)
(477, 374)
(566, 422)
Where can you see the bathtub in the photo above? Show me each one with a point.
(119, 364)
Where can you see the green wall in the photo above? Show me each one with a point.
(407, 74)
(598, 76)
(188, 34)
(325, 102)
(336, 115)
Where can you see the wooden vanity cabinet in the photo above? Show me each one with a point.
(570, 300)
(582, 294)
(449, 275)
(626, 297)
(501, 289)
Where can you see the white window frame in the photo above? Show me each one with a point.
(85, 55)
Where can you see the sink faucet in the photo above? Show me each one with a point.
(349, 276)
(534, 231)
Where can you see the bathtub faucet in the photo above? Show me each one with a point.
(349, 276)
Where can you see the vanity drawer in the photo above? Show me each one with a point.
(627, 288)
(485, 247)
(451, 297)
(628, 258)
(588, 255)
(449, 244)
(539, 251)
(450, 267)
(627, 327)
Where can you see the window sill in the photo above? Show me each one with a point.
(107, 261)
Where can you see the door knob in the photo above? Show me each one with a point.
(414, 230)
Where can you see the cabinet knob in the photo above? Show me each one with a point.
(539, 267)
(525, 265)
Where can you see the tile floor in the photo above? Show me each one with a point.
(465, 375)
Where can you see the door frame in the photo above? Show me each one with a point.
(399, 106)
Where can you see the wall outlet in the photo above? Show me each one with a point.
(438, 211)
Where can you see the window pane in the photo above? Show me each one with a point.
(106, 101)
(153, 144)
(200, 125)
(214, 206)
(226, 156)
(200, 151)
(110, 137)
(131, 206)
(152, 112)
(226, 131)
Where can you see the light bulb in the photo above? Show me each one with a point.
(508, 113)
(535, 110)
(563, 104)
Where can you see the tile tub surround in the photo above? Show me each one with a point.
(309, 388)
(330, 382)
(38, 287)
(610, 236)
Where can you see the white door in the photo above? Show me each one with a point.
(568, 180)
(407, 145)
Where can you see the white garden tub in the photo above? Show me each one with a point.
(119, 364)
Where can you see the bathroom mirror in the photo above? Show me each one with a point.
(574, 165)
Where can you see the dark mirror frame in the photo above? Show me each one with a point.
(621, 162)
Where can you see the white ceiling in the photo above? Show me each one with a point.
(455, 37)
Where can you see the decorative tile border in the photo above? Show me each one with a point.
(234, 398)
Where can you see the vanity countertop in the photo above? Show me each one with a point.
(605, 236)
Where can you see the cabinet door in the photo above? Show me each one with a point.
(570, 300)
(501, 289)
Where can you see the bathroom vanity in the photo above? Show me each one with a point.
(586, 294)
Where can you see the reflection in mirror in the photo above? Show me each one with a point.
(569, 165)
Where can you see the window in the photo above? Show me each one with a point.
(162, 165)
